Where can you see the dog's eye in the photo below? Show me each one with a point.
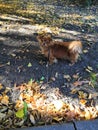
(44, 43)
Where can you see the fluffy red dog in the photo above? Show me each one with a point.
(57, 49)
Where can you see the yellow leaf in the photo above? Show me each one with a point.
(58, 118)
(5, 100)
(29, 65)
(87, 115)
(82, 94)
(89, 69)
(83, 101)
(20, 113)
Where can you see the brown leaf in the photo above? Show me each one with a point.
(82, 94)
(1, 86)
(83, 101)
(77, 83)
(71, 115)
(5, 100)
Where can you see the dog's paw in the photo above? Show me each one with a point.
(55, 61)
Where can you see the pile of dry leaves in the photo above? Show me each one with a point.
(26, 105)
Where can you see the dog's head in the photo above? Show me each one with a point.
(44, 39)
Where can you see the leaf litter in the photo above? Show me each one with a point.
(26, 105)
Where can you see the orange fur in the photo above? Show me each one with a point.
(57, 49)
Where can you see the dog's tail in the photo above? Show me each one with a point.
(76, 46)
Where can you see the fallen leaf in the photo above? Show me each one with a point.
(5, 100)
(57, 118)
(8, 63)
(2, 115)
(58, 104)
(13, 54)
(85, 51)
(89, 69)
(82, 95)
(20, 113)
(32, 119)
(77, 83)
(30, 82)
(1, 97)
(1, 86)
(53, 78)
(75, 76)
(71, 115)
(29, 64)
(67, 77)
(42, 78)
(87, 114)
(20, 123)
(83, 101)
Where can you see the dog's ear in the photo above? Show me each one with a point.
(49, 37)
